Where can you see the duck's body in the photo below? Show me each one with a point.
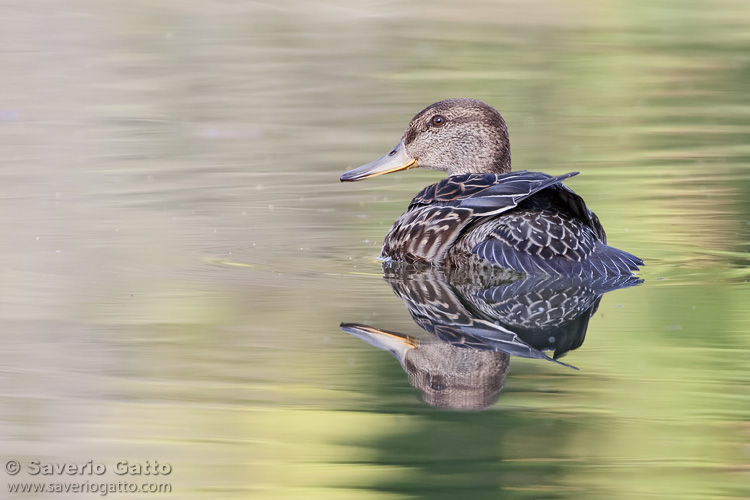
(525, 221)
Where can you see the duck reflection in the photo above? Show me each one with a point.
(477, 322)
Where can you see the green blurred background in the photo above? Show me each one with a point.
(177, 251)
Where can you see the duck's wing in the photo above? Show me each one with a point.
(486, 194)
(440, 212)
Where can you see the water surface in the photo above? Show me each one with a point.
(178, 253)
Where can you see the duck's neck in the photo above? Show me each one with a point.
(502, 152)
(502, 161)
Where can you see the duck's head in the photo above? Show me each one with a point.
(457, 136)
(448, 376)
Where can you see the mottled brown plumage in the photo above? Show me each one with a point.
(525, 221)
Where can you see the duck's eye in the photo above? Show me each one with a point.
(438, 121)
(435, 382)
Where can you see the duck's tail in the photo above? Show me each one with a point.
(609, 261)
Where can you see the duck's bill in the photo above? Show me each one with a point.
(394, 161)
(395, 343)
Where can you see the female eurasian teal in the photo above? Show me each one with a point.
(484, 213)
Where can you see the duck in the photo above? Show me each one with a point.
(484, 214)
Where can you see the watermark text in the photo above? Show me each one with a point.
(88, 477)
